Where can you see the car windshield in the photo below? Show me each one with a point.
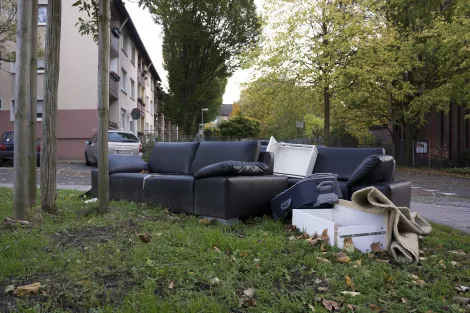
(9, 137)
(122, 137)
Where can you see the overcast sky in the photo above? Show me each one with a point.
(152, 36)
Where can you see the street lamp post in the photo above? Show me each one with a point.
(202, 115)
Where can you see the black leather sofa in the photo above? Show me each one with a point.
(169, 179)
(358, 168)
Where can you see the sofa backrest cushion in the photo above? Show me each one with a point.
(342, 161)
(172, 157)
(210, 152)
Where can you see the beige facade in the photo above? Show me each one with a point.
(78, 82)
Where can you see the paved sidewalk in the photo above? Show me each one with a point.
(456, 217)
(60, 186)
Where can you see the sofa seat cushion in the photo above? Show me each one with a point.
(210, 152)
(175, 192)
(232, 168)
(119, 163)
(236, 197)
(172, 157)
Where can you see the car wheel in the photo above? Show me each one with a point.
(88, 163)
(2, 162)
(38, 162)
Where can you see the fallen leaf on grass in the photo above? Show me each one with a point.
(313, 241)
(205, 221)
(454, 263)
(243, 254)
(323, 260)
(145, 237)
(171, 285)
(324, 236)
(375, 247)
(441, 264)
(322, 288)
(459, 252)
(351, 307)
(350, 283)
(404, 300)
(342, 257)
(330, 305)
(414, 277)
(312, 308)
(461, 300)
(359, 262)
(215, 281)
(374, 307)
(291, 238)
(348, 245)
(217, 249)
(9, 289)
(418, 282)
(250, 292)
(351, 293)
(28, 289)
(291, 228)
(323, 247)
(248, 302)
(303, 236)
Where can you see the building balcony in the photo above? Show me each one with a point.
(141, 106)
(114, 45)
(141, 78)
(113, 85)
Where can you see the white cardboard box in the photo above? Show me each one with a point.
(344, 221)
(293, 160)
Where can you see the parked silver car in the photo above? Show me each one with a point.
(119, 142)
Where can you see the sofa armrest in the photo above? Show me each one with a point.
(399, 192)
(267, 158)
(375, 168)
(126, 164)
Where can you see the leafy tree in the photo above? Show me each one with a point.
(240, 127)
(278, 105)
(202, 42)
(313, 43)
(7, 26)
(313, 127)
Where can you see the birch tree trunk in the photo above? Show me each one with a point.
(22, 101)
(49, 117)
(32, 108)
(103, 105)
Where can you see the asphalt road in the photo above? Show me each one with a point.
(67, 175)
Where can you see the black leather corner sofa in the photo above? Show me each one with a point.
(172, 177)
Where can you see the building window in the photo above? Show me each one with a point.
(132, 89)
(125, 43)
(151, 83)
(152, 109)
(147, 102)
(147, 127)
(123, 119)
(133, 53)
(39, 110)
(131, 126)
(1, 104)
(123, 80)
(42, 14)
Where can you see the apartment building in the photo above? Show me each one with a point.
(134, 81)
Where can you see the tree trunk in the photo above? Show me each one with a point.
(32, 108)
(326, 116)
(103, 105)
(409, 144)
(22, 101)
(49, 119)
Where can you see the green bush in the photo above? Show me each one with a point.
(464, 158)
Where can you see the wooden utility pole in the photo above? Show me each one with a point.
(49, 119)
(32, 108)
(22, 101)
(103, 105)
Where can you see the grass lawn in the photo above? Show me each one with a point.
(91, 263)
(462, 172)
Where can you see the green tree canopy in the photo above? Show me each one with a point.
(240, 127)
